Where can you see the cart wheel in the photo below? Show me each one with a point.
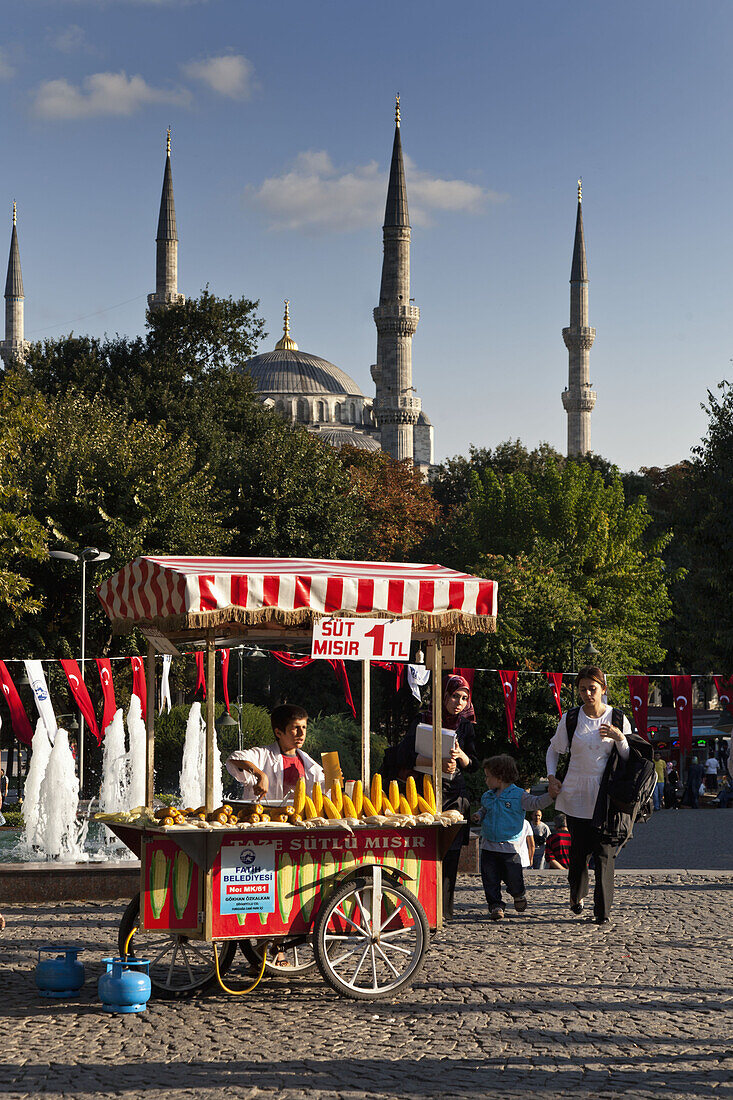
(370, 937)
(297, 951)
(179, 967)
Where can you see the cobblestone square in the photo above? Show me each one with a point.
(541, 1003)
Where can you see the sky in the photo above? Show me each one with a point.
(282, 119)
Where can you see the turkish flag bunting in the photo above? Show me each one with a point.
(724, 689)
(22, 728)
(467, 674)
(682, 691)
(555, 679)
(400, 672)
(81, 694)
(225, 676)
(338, 667)
(509, 687)
(138, 684)
(639, 695)
(108, 690)
(200, 678)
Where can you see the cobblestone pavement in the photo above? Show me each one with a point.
(682, 838)
(541, 1003)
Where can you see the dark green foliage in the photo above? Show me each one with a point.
(339, 733)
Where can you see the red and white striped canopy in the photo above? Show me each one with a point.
(190, 593)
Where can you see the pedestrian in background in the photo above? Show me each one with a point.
(694, 782)
(540, 830)
(661, 771)
(590, 739)
(712, 767)
(557, 845)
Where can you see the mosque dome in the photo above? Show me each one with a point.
(346, 437)
(286, 370)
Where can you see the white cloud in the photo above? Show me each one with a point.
(71, 39)
(100, 94)
(230, 75)
(316, 196)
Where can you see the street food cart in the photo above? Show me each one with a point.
(356, 897)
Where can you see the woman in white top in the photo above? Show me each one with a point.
(593, 741)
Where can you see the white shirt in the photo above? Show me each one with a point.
(270, 761)
(588, 759)
(521, 844)
(711, 766)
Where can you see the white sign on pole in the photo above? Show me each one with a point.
(362, 639)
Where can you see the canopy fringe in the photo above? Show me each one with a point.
(452, 622)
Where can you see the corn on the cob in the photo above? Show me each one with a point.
(159, 867)
(411, 792)
(358, 797)
(375, 796)
(337, 797)
(428, 792)
(404, 806)
(423, 807)
(317, 797)
(330, 810)
(394, 794)
(348, 809)
(367, 808)
(182, 876)
(285, 886)
(309, 809)
(299, 796)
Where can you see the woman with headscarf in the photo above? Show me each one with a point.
(458, 715)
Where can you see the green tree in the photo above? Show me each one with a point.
(22, 538)
(571, 556)
(94, 478)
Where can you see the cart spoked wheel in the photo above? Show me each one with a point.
(179, 967)
(370, 937)
(285, 954)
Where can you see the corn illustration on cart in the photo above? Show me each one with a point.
(358, 898)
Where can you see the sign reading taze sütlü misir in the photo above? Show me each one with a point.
(362, 639)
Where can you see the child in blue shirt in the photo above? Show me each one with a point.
(503, 807)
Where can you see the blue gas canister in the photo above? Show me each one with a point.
(125, 987)
(62, 976)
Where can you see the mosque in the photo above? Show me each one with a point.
(318, 395)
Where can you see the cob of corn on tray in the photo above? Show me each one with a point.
(373, 807)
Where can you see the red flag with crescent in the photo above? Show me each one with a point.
(555, 679)
(200, 678)
(724, 689)
(138, 683)
(639, 695)
(81, 694)
(225, 676)
(509, 687)
(108, 690)
(682, 691)
(22, 728)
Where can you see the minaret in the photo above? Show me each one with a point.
(579, 398)
(396, 407)
(14, 346)
(166, 244)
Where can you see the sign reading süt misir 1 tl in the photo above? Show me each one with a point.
(362, 639)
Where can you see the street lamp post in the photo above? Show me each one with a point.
(91, 555)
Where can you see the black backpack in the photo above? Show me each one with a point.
(630, 785)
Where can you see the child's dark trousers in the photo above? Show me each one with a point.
(498, 867)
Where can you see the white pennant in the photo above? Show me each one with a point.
(40, 694)
(417, 677)
(165, 688)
